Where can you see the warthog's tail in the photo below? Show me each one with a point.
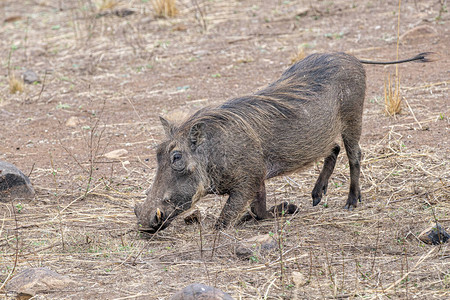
(422, 57)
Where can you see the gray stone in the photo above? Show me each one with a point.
(73, 122)
(198, 291)
(255, 246)
(13, 183)
(302, 12)
(30, 77)
(434, 235)
(298, 279)
(116, 154)
(36, 280)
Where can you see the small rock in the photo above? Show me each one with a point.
(13, 183)
(198, 291)
(193, 217)
(30, 77)
(434, 235)
(116, 154)
(302, 12)
(200, 52)
(73, 122)
(123, 12)
(298, 278)
(36, 280)
(260, 244)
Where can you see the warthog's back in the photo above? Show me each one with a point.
(299, 117)
(325, 91)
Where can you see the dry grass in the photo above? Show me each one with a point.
(371, 252)
(164, 8)
(107, 4)
(299, 55)
(89, 234)
(15, 84)
(392, 97)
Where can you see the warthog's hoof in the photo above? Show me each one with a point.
(318, 192)
(193, 217)
(316, 201)
(352, 202)
(282, 209)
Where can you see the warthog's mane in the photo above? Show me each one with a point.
(298, 85)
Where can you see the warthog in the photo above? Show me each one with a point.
(234, 147)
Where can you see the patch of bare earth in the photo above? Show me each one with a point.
(113, 74)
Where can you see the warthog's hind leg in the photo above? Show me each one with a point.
(322, 182)
(351, 143)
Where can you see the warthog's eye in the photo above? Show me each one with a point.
(177, 161)
(176, 156)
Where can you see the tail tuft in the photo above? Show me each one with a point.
(426, 57)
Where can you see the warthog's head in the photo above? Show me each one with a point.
(179, 181)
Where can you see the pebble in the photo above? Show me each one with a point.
(30, 77)
(31, 281)
(255, 246)
(14, 185)
(116, 154)
(198, 291)
(434, 235)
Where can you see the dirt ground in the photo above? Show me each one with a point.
(112, 76)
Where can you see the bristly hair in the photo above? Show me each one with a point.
(298, 84)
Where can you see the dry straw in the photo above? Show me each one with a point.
(164, 8)
(299, 55)
(15, 84)
(107, 4)
(392, 97)
(340, 254)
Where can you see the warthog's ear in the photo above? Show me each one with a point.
(168, 127)
(197, 135)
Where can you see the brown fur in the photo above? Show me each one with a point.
(232, 148)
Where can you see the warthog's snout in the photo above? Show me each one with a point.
(148, 222)
(151, 221)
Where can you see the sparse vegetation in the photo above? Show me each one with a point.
(164, 8)
(200, 14)
(392, 96)
(117, 74)
(107, 4)
(299, 55)
(15, 84)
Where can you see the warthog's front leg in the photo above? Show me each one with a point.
(234, 208)
(259, 210)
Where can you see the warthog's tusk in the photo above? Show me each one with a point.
(158, 215)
